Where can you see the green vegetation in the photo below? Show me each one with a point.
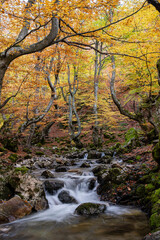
(22, 169)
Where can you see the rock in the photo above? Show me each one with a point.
(75, 155)
(156, 153)
(47, 174)
(105, 160)
(75, 170)
(93, 154)
(152, 236)
(61, 169)
(85, 165)
(53, 187)
(14, 209)
(64, 197)
(29, 188)
(92, 184)
(98, 169)
(90, 209)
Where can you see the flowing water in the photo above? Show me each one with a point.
(59, 221)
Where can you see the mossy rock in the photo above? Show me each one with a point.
(130, 135)
(2, 149)
(156, 153)
(155, 196)
(90, 209)
(40, 153)
(13, 157)
(27, 156)
(140, 191)
(27, 150)
(11, 144)
(138, 157)
(156, 207)
(23, 169)
(155, 220)
(149, 188)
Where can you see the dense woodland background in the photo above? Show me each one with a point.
(78, 72)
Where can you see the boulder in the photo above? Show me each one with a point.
(61, 169)
(92, 183)
(64, 197)
(152, 236)
(14, 209)
(30, 188)
(90, 209)
(85, 165)
(53, 187)
(93, 154)
(47, 174)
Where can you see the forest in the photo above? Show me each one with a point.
(80, 103)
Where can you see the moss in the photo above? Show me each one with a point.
(27, 156)
(131, 134)
(156, 207)
(13, 157)
(2, 149)
(90, 209)
(11, 144)
(155, 221)
(115, 172)
(40, 153)
(156, 153)
(23, 169)
(140, 191)
(155, 196)
(149, 188)
(39, 144)
(138, 157)
(27, 150)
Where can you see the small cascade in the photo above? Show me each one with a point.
(102, 154)
(85, 156)
(60, 221)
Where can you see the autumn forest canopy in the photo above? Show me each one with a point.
(81, 65)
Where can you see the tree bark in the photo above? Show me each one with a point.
(155, 3)
(15, 50)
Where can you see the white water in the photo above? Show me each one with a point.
(59, 222)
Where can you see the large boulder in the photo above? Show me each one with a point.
(14, 209)
(64, 197)
(29, 188)
(53, 187)
(90, 209)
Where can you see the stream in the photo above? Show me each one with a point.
(59, 222)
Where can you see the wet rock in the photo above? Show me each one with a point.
(75, 155)
(64, 197)
(85, 165)
(93, 154)
(61, 169)
(98, 169)
(14, 209)
(90, 209)
(92, 184)
(152, 236)
(47, 174)
(105, 160)
(31, 189)
(53, 187)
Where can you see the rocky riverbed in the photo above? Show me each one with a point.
(119, 182)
